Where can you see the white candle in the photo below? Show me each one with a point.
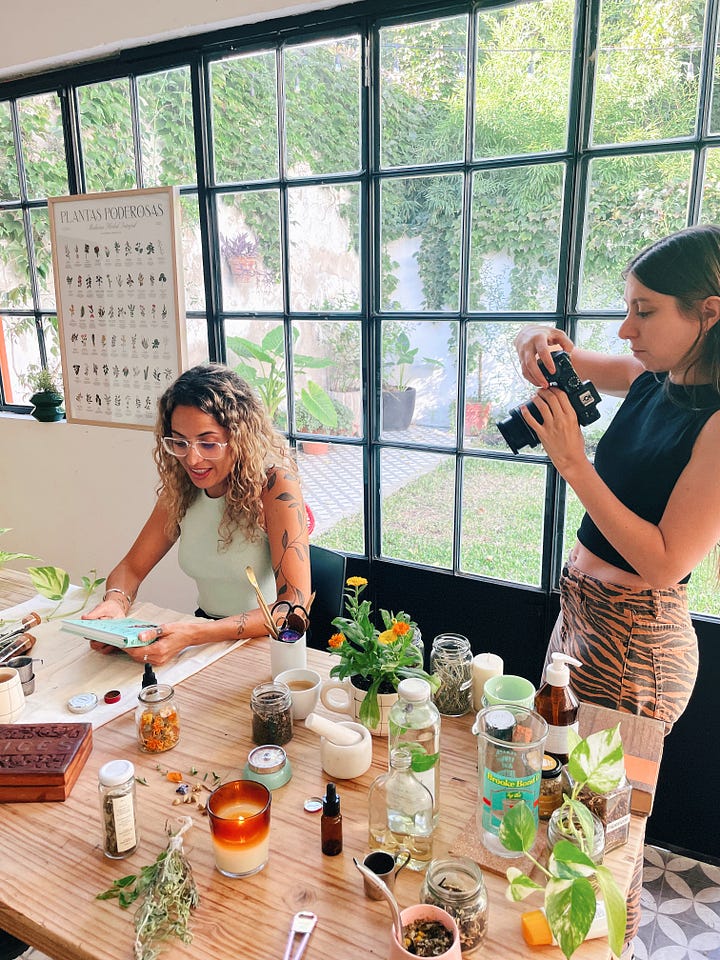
(484, 666)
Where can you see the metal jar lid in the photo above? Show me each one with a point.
(267, 759)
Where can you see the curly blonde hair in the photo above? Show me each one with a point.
(255, 445)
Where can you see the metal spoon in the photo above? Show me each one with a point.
(380, 885)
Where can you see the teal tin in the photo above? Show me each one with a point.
(268, 764)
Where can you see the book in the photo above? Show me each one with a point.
(42, 761)
(120, 633)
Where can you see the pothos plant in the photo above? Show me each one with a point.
(573, 879)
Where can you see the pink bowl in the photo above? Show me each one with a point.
(426, 911)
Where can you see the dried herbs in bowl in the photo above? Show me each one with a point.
(427, 938)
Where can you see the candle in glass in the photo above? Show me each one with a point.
(239, 814)
(484, 666)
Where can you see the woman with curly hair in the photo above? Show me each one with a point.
(230, 494)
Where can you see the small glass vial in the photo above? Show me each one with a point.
(271, 704)
(557, 830)
(551, 786)
(116, 785)
(457, 885)
(451, 662)
(331, 836)
(158, 722)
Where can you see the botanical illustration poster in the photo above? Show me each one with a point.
(119, 288)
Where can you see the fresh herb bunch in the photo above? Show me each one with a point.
(382, 657)
(169, 894)
(572, 877)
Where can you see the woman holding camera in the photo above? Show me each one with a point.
(651, 497)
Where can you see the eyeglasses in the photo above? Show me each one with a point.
(207, 449)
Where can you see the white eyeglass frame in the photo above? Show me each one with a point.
(195, 445)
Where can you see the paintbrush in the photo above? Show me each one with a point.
(269, 622)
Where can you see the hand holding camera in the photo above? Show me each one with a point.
(582, 395)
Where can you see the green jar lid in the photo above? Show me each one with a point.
(268, 764)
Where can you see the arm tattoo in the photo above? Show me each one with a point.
(241, 622)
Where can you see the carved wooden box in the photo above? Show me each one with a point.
(42, 761)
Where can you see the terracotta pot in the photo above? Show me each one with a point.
(342, 696)
(315, 448)
(242, 268)
(477, 415)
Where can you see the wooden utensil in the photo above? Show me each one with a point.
(262, 603)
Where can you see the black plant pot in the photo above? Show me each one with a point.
(398, 407)
(48, 406)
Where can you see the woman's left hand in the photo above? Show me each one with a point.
(559, 432)
(173, 638)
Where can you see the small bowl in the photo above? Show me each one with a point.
(24, 667)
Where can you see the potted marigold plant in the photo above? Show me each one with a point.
(374, 661)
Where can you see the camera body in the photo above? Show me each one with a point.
(582, 395)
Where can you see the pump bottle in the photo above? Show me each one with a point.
(558, 705)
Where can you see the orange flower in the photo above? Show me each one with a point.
(400, 628)
(175, 776)
(336, 640)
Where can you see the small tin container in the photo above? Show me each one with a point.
(268, 764)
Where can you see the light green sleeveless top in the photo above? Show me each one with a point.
(219, 570)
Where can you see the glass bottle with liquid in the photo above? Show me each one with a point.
(400, 812)
(414, 722)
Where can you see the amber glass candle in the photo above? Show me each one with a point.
(239, 814)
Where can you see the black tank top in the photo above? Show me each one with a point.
(645, 449)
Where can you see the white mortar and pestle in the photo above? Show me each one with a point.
(345, 746)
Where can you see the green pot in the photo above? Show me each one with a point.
(48, 406)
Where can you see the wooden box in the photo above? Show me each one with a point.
(41, 761)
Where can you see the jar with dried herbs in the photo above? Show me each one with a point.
(451, 662)
(457, 885)
(271, 705)
(158, 722)
(116, 785)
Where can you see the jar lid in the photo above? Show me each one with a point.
(112, 696)
(551, 767)
(414, 689)
(500, 724)
(116, 772)
(82, 703)
(267, 758)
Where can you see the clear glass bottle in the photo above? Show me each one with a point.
(116, 786)
(557, 830)
(414, 722)
(157, 718)
(457, 885)
(451, 662)
(271, 705)
(400, 812)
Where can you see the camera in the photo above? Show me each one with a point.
(582, 395)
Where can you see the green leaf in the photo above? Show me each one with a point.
(318, 404)
(517, 830)
(597, 761)
(520, 885)
(568, 861)
(246, 348)
(615, 908)
(274, 341)
(570, 908)
(7, 557)
(50, 582)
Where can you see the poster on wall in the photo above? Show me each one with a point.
(120, 307)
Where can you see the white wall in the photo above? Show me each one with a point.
(76, 496)
(39, 34)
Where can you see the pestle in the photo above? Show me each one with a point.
(334, 732)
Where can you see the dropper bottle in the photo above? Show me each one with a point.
(331, 823)
(558, 705)
(148, 678)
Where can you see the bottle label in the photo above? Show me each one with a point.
(557, 738)
(124, 820)
(502, 791)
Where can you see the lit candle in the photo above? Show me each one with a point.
(239, 814)
(484, 666)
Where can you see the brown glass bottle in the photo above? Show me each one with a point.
(331, 823)
(558, 705)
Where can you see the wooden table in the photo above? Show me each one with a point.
(51, 864)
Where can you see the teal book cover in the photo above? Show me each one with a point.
(119, 633)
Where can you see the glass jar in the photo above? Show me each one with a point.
(612, 809)
(457, 886)
(551, 786)
(271, 705)
(158, 722)
(400, 812)
(451, 662)
(557, 830)
(414, 722)
(116, 786)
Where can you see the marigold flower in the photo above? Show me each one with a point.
(400, 628)
(356, 582)
(387, 636)
(336, 640)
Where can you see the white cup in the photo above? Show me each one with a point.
(304, 687)
(12, 698)
(287, 656)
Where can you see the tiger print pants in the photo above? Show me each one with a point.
(638, 653)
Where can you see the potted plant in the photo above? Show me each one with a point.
(374, 661)
(47, 398)
(240, 252)
(477, 412)
(314, 417)
(398, 397)
(341, 339)
(572, 876)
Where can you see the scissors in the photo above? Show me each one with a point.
(293, 624)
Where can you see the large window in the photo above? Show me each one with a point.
(371, 209)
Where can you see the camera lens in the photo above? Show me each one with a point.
(516, 432)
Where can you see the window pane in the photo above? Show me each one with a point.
(322, 107)
(328, 395)
(256, 350)
(417, 493)
(703, 595)
(632, 200)
(244, 117)
(22, 357)
(420, 235)
(192, 253)
(516, 233)
(249, 227)
(197, 340)
(502, 520)
(574, 512)
(710, 207)
(106, 136)
(41, 136)
(166, 128)
(648, 70)
(522, 90)
(14, 265)
(423, 76)
(418, 380)
(9, 183)
(43, 257)
(324, 234)
(338, 508)
(601, 335)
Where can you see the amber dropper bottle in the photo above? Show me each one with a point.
(331, 823)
